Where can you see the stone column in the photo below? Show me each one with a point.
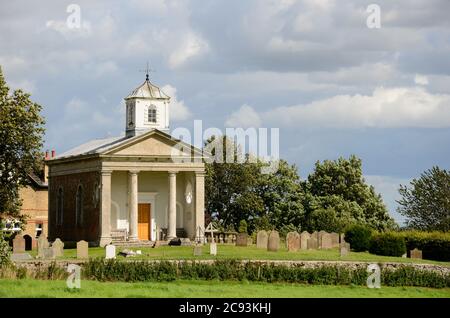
(105, 209)
(172, 226)
(199, 204)
(133, 204)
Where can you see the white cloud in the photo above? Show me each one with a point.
(191, 46)
(421, 79)
(385, 108)
(244, 117)
(178, 110)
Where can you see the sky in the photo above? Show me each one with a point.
(312, 68)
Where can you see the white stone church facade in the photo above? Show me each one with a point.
(139, 184)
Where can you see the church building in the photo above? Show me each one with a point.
(142, 186)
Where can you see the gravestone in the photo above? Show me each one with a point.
(221, 239)
(312, 243)
(213, 249)
(342, 238)
(48, 253)
(198, 250)
(293, 241)
(20, 257)
(326, 241)
(274, 241)
(110, 251)
(344, 249)
(42, 244)
(416, 253)
(241, 239)
(304, 237)
(262, 239)
(249, 240)
(229, 239)
(18, 244)
(334, 240)
(58, 247)
(82, 249)
(319, 237)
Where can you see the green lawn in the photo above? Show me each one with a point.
(247, 253)
(207, 289)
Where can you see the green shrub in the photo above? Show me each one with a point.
(434, 245)
(5, 251)
(387, 244)
(359, 237)
(243, 226)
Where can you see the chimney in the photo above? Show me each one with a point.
(53, 153)
(47, 156)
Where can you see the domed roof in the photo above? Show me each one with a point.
(147, 90)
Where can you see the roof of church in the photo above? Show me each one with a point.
(147, 90)
(99, 146)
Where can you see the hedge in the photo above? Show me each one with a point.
(387, 244)
(359, 237)
(434, 245)
(112, 270)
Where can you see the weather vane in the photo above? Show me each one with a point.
(147, 72)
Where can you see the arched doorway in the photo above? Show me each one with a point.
(28, 242)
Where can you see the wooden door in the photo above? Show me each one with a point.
(144, 221)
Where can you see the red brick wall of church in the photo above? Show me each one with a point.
(69, 230)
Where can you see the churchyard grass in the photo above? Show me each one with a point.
(245, 253)
(193, 289)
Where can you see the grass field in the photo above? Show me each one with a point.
(247, 253)
(206, 289)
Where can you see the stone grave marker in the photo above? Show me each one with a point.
(334, 240)
(304, 237)
(293, 241)
(274, 241)
(58, 247)
(48, 253)
(312, 243)
(42, 244)
(110, 251)
(326, 241)
(213, 249)
(344, 249)
(262, 239)
(198, 250)
(241, 239)
(20, 257)
(416, 253)
(82, 249)
(18, 244)
(320, 234)
(229, 239)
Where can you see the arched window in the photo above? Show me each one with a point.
(59, 206)
(79, 206)
(151, 116)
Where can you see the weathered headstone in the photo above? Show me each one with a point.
(326, 241)
(58, 247)
(42, 244)
(334, 240)
(261, 239)
(221, 241)
(312, 243)
(341, 238)
(18, 244)
(304, 237)
(213, 248)
(273, 243)
(249, 240)
(20, 257)
(229, 239)
(48, 253)
(293, 241)
(82, 249)
(319, 237)
(110, 251)
(416, 253)
(241, 239)
(344, 249)
(197, 250)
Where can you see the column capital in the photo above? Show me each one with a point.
(106, 172)
(172, 172)
(133, 171)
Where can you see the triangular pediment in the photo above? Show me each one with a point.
(153, 144)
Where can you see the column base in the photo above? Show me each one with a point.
(133, 238)
(105, 241)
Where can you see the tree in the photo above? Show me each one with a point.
(21, 134)
(426, 203)
(339, 187)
